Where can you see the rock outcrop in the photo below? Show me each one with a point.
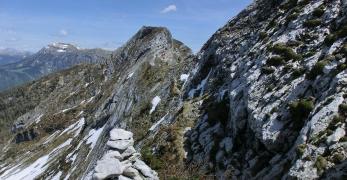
(122, 161)
(265, 98)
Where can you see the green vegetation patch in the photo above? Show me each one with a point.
(312, 23)
(318, 12)
(300, 150)
(267, 70)
(343, 109)
(286, 52)
(316, 70)
(301, 109)
(321, 164)
(275, 61)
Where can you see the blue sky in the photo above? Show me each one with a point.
(31, 25)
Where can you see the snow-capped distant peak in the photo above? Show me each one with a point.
(60, 47)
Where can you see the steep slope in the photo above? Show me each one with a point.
(275, 77)
(63, 125)
(54, 57)
(265, 98)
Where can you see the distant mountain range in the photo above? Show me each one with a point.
(265, 98)
(54, 57)
(10, 55)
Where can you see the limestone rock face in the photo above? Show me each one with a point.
(265, 98)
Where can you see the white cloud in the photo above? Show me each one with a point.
(170, 8)
(63, 32)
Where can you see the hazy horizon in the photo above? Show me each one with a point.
(29, 26)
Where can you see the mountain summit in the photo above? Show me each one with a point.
(265, 98)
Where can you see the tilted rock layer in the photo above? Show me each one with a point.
(265, 98)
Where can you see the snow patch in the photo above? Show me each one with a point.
(184, 77)
(38, 119)
(157, 123)
(75, 127)
(60, 51)
(155, 102)
(130, 75)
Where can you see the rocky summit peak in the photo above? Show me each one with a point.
(265, 98)
(153, 36)
(61, 47)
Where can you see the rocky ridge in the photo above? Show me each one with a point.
(265, 98)
(71, 117)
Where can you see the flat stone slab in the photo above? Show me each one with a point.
(120, 134)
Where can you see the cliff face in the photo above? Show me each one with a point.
(277, 74)
(264, 98)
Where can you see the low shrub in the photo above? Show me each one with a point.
(263, 35)
(321, 163)
(298, 73)
(301, 109)
(342, 32)
(330, 39)
(318, 12)
(316, 70)
(267, 70)
(151, 159)
(286, 52)
(312, 23)
(275, 61)
(300, 150)
(304, 2)
(343, 109)
(344, 49)
(290, 4)
(292, 17)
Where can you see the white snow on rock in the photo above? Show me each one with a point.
(93, 137)
(120, 134)
(130, 75)
(184, 77)
(29, 172)
(61, 50)
(75, 127)
(157, 123)
(34, 169)
(38, 119)
(200, 87)
(155, 102)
